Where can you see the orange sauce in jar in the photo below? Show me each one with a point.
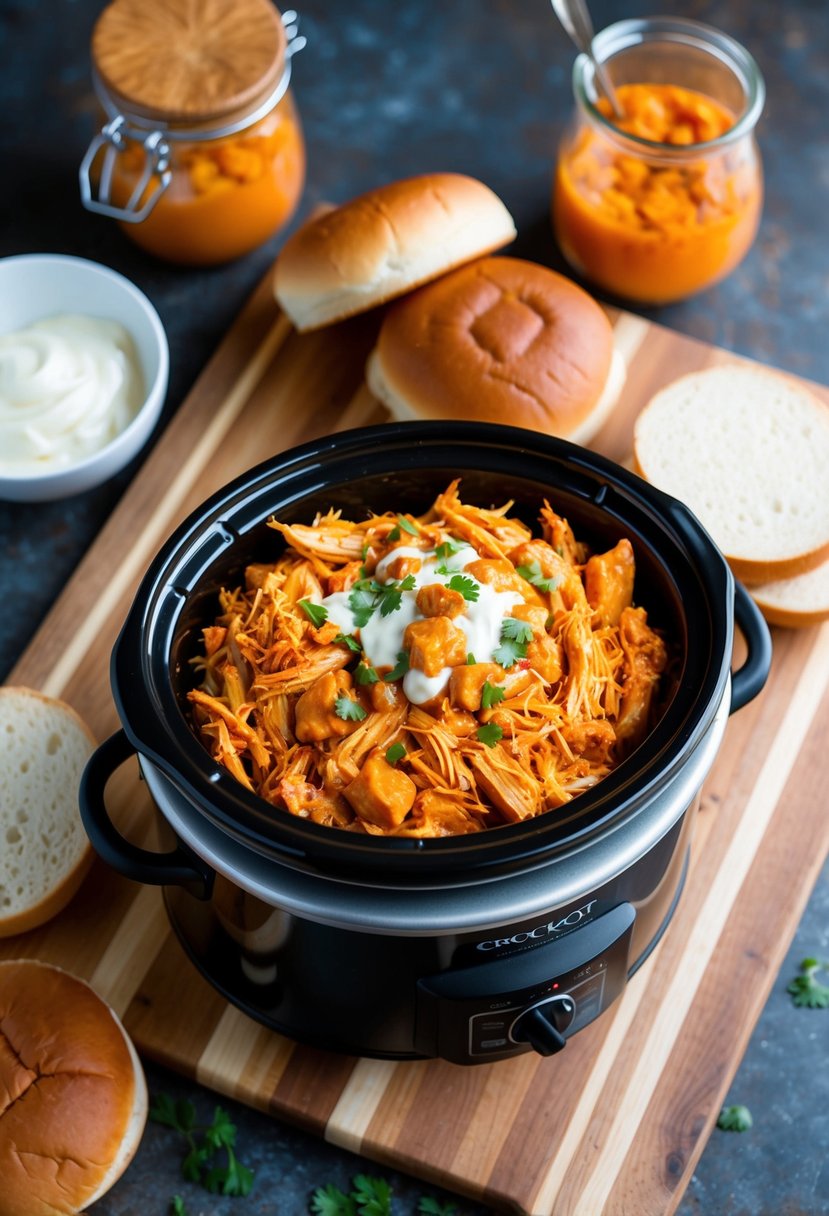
(201, 156)
(659, 220)
(226, 196)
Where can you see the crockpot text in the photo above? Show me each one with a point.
(547, 930)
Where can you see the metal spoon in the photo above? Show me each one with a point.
(575, 18)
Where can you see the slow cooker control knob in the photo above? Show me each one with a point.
(544, 1024)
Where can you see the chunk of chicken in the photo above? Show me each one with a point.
(316, 718)
(381, 793)
(608, 582)
(344, 578)
(434, 644)
(436, 814)
(306, 801)
(645, 659)
(502, 576)
(438, 600)
(402, 566)
(466, 684)
(544, 657)
(593, 740)
(568, 590)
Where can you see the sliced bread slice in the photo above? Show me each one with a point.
(795, 602)
(748, 451)
(44, 850)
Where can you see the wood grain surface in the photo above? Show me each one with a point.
(616, 1123)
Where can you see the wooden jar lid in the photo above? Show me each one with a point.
(189, 61)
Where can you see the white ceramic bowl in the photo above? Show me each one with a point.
(38, 285)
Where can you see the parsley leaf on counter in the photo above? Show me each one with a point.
(433, 1207)
(317, 614)
(491, 694)
(396, 752)
(348, 709)
(468, 588)
(735, 1119)
(177, 1207)
(807, 992)
(401, 668)
(489, 734)
(533, 574)
(370, 1197)
(204, 1141)
(331, 1201)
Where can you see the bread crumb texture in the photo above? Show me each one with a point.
(747, 450)
(43, 749)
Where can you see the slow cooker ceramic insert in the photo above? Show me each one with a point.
(477, 947)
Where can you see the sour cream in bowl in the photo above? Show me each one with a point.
(83, 372)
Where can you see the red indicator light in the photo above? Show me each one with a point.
(555, 985)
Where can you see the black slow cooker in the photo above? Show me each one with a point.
(473, 948)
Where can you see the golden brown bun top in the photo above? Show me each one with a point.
(67, 1090)
(500, 340)
(386, 242)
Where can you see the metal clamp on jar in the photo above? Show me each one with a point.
(201, 156)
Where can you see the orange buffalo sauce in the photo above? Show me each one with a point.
(200, 156)
(659, 221)
(225, 197)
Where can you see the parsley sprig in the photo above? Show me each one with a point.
(206, 1144)
(402, 667)
(735, 1119)
(317, 613)
(515, 636)
(806, 990)
(367, 595)
(407, 526)
(491, 694)
(533, 574)
(489, 734)
(348, 709)
(369, 1197)
(468, 588)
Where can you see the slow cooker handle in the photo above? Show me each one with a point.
(180, 866)
(750, 678)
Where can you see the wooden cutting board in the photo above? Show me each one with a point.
(617, 1122)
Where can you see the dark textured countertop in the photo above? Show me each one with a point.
(386, 90)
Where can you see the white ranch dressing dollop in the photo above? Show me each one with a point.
(68, 385)
(382, 636)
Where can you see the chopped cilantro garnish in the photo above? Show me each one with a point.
(317, 613)
(361, 602)
(534, 575)
(468, 588)
(408, 526)
(471, 660)
(348, 710)
(390, 594)
(346, 639)
(364, 674)
(396, 752)
(515, 635)
(401, 668)
(448, 548)
(491, 694)
(489, 734)
(515, 630)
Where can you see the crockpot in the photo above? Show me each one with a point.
(476, 947)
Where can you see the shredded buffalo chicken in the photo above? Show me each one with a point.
(442, 741)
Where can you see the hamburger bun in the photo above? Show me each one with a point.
(500, 340)
(747, 450)
(45, 851)
(384, 243)
(76, 1098)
